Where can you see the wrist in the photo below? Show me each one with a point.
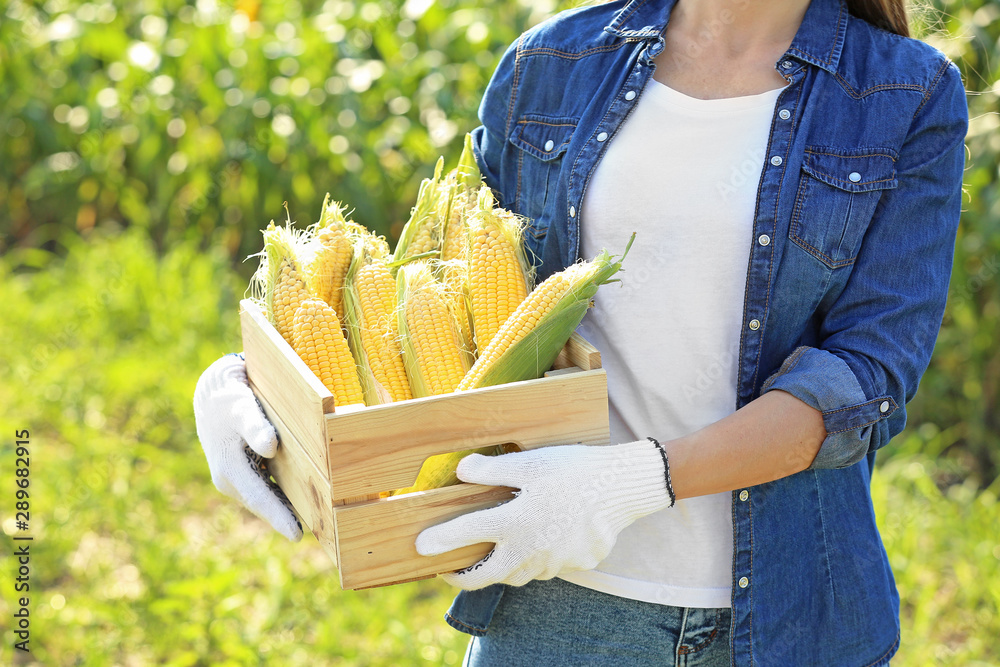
(666, 471)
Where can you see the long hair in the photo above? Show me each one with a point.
(888, 15)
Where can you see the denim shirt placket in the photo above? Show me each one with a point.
(649, 46)
(765, 248)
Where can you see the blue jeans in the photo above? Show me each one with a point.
(555, 623)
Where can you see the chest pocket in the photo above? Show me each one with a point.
(542, 142)
(837, 195)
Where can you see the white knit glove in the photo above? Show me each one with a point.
(236, 437)
(573, 502)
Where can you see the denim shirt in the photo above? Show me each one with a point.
(856, 215)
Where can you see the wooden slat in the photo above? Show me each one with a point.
(556, 372)
(376, 539)
(300, 479)
(578, 352)
(293, 390)
(382, 447)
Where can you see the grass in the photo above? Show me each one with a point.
(138, 560)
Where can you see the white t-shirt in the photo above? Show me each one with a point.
(682, 173)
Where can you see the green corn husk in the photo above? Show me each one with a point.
(467, 170)
(455, 196)
(534, 354)
(424, 218)
(282, 245)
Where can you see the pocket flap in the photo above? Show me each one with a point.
(861, 170)
(545, 137)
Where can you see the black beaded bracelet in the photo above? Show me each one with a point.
(666, 471)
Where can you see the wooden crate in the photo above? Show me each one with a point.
(333, 462)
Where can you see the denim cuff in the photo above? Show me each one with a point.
(472, 611)
(824, 381)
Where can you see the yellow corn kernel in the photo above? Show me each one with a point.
(455, 278)
(425, 239)
(532, 310)
(422, 232)
(376, 292)
(530, 340)
(283, 281)
(332, 257)
(498, 275)
(433, 353)
(319, 340)
(456, 231)
(289, 293)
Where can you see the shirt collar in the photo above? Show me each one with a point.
(819, 40)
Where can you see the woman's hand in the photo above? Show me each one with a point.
(572, 502)
(236, 437)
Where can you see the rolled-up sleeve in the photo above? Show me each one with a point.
(876, 340)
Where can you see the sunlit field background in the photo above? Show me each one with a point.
(144, 145)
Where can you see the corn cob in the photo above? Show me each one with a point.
(454, 247)
(319, 340)
(456, 230)
(465, 179)
(331, 258)
(499, 274)
(455, 278)
(432, 351)
(370, 300)
(439, 471)
(421, 235)
(284, 284)
(530, 340)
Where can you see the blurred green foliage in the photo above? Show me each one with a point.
(197, 120)
(142, 148)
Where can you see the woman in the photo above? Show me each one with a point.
(793, 173)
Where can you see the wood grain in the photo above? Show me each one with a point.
(376, 539)
(290, 387)
(382, 447)
(306, 487)
(578, 352)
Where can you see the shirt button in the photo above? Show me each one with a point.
(549, 145)
(854, 177)
(744, 582)
(884, 407)
(744, 494)
(630, 95)
(764, 239)
(602, 136)
(776, 160)
(755, 324)
(572, 211)
(784, 114)
(787, 64)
